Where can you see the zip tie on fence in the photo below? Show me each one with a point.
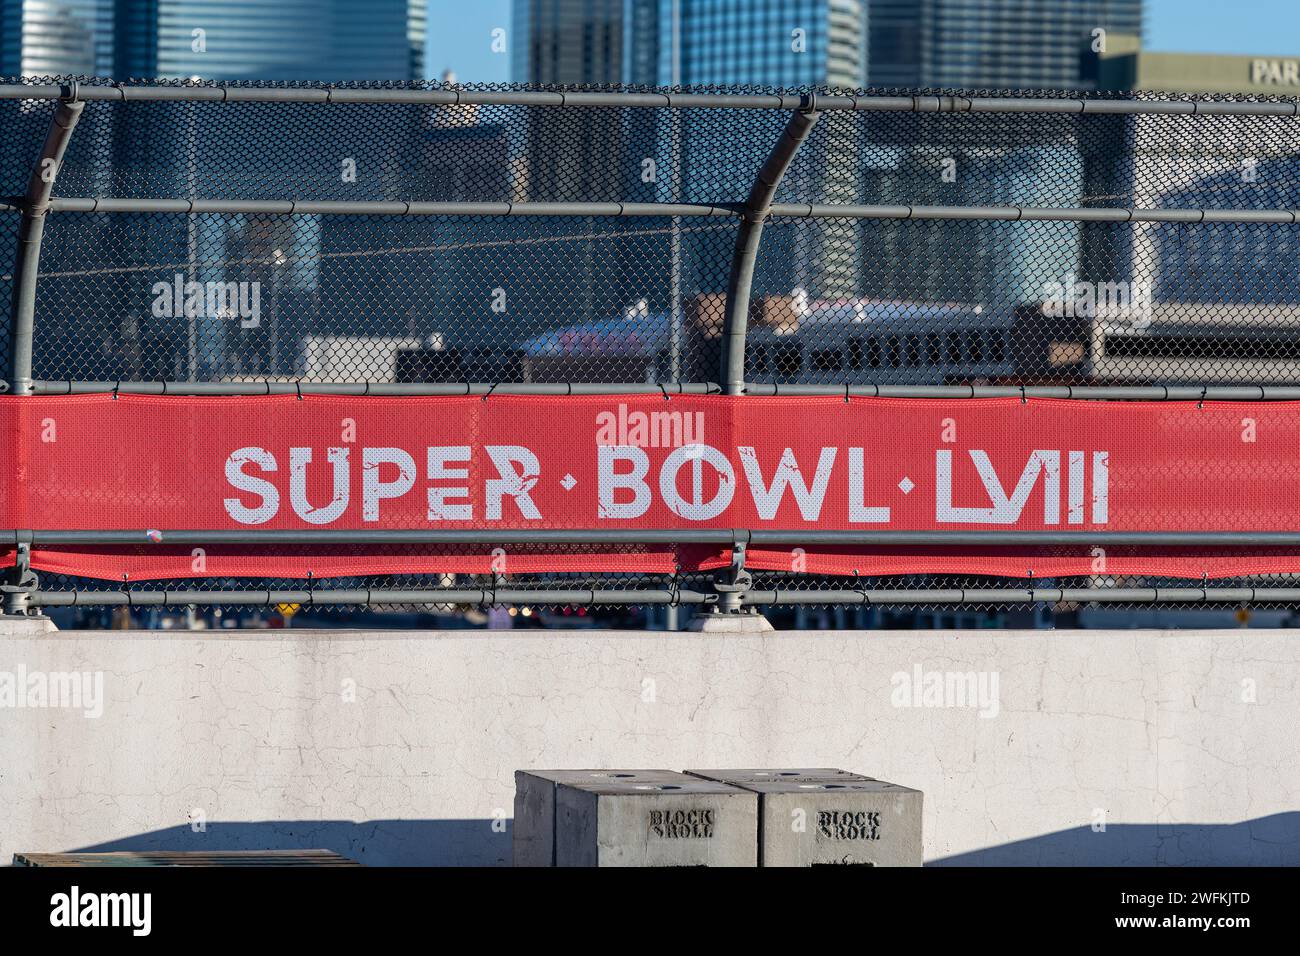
(311, 589)
(116, 386)
(663, 388)
(846, 393)
(491, 388)
(1023, 400)
(297, 384)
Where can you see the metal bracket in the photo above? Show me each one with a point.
(736, 581)
(22, 583)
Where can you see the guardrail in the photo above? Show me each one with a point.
(703, 146)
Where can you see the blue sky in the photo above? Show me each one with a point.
(460, 32)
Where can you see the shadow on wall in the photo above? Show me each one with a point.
(370, 842)
(1266, 841)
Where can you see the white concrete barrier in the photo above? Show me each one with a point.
(1049, 747)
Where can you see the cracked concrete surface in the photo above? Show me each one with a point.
(400, 747)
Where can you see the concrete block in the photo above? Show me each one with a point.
(22, 625)
(631, 818)
(825, 817)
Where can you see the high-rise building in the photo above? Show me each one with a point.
(331, 41)
(214, 39)
(1222, 161)
(974, 45)
(182, 150)
(991, 44)
(787, 44)
(565, 42)
(56, 37)
(770, 43)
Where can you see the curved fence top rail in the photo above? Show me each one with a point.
(821, 100)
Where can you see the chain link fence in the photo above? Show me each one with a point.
(242, 238)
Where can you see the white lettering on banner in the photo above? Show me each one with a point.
(373, 489)
(767, 499)
(236, 477)
(859, 513)
(512, 484)
(299, 459)
(609, 481)
(697, 509)
(1006, 509)
(439, 508)
(625, 487)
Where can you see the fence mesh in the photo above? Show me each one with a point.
(602, 299)
(885, 299)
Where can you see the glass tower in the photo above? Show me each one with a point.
(56, 37)
(986, 44)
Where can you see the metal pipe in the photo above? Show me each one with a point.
(302, 207)
(740, 276)
(1143, 393)
(589, 596)
(371, 597)
(35, 204)
(373, 388)
(653, 100)
(1032, 213)
(719, 536)
(1118, 393)
(1180, 595)
(751, 228)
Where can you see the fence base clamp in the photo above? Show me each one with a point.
(20, 584)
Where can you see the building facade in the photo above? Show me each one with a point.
(1225, 294)
(992, 44)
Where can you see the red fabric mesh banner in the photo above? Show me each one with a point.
(623, 462)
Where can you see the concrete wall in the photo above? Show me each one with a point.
(400, 747)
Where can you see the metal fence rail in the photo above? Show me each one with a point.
(461, 240)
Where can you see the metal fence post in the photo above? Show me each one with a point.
(21, 582)
(745, 255)
(36, 203)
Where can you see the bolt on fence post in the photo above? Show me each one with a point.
(745, 254)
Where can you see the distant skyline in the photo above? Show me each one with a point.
(460, 34)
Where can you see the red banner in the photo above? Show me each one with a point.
(513, 462)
